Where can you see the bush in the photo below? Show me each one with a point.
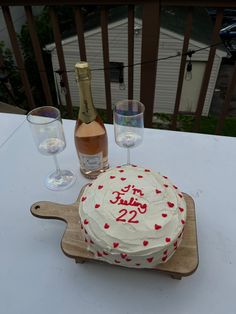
(10, 84)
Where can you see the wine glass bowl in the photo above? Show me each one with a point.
(48, 134)
(128, 124)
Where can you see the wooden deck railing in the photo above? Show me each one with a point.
(149, 51)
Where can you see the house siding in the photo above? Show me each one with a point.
(167, 70)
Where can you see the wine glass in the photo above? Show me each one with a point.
(128, 124)
(46, 126)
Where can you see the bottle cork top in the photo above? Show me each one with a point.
(82, 70)
(82, 64)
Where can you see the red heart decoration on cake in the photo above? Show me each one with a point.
(165, 252)
(83, 198)
(150, 259)
(158, 191)
(175, 187)
(117, 262)
(164, 215)
(170, 204)
(175, 244)
(123, 179)
(121, 170)
(145, 242)
(164, 258)
(105, 253)
(97, 205)
(99, 254)
(137, 264)
(115, 244)
(182, 221)
(106, 226)
(181, 209)
(166, 185)
(157, 227)
(168, 240)
(112, 177)
(86, 221)
(180, 195)
(123, 255)
(128, 259)
(140, 177)
(147, 170)
(100, 187)
(165, 177)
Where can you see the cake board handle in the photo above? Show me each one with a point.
(50, 210)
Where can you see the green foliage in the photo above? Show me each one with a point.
(43, 26)
(44, 31)
(45, 35)
(11, 74)
(208, 124)
(185, 123)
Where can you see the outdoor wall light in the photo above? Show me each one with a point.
(188, 74)
(137, 29)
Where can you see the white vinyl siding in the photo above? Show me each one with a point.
(167, 70)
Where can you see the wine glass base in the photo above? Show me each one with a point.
(56, 181)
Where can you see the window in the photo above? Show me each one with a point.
(116, 72)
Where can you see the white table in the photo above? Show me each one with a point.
(36, 277)
(9, 124)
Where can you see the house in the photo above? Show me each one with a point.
(170, 44)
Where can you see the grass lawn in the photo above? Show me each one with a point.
(184, 123)
(207, 125)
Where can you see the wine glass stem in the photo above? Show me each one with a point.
(128, 156)
(58, 170)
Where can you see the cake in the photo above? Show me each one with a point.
(132, 216)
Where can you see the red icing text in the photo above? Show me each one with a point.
(119, 199)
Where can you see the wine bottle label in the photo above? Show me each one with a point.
(91, 162)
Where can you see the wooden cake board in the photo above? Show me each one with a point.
(183, 263)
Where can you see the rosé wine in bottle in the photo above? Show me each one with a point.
(90, 134)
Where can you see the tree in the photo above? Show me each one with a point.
(44, 32)
(10, 83)
(45, 36)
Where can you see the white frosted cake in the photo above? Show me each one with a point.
(133, 217)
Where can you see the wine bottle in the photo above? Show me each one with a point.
(90, 133)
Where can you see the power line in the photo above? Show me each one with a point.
(189, 53)
(179, 54)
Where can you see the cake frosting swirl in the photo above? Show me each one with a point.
(132, 216)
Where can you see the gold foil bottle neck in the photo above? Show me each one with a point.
(82, 71)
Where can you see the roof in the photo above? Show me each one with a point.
(172, 19)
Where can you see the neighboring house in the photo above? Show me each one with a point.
(167, 71)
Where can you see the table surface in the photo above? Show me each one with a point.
(36, 277)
